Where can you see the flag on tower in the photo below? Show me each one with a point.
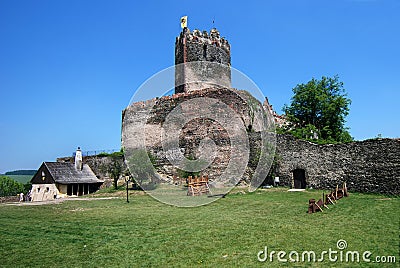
(184, 22)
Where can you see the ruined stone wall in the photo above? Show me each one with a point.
(8, 199)
(367, 166)
(154, 113)
(137, 113)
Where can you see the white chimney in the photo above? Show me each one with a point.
(78, 159)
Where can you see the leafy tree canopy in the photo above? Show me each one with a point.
(318, 110)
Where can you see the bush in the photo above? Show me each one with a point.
(27, 187)
(9, 187)
(119, 154)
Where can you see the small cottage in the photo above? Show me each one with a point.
(56, 180)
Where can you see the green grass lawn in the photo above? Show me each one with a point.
(229, 232)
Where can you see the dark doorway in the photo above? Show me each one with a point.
(80, 189)
(75, 189)
(299, 176)
(69, 189)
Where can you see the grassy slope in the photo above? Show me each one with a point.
(20, 178)
(226, 233)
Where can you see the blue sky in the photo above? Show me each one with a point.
(68, 68)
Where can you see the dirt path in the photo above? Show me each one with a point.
(56, 201)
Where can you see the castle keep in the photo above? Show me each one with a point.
(201, 48)
(203, 71)
(204, 111)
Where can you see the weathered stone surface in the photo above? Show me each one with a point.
(154, 113)
(7, 199)
(211, 60)
(371, 166)
(366, 166)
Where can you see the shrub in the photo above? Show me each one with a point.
(9, 187)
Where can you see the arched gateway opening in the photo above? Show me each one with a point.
(299, 178)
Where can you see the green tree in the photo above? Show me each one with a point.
(115, 169)
(141, 165)
(318, 110)
(9, 187)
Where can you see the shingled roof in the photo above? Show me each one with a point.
(66, 173)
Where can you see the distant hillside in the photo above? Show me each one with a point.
(20, 178)
(21, 172)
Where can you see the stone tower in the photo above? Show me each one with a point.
(208, 57)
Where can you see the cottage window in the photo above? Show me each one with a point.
(38, 190)
(47, 189)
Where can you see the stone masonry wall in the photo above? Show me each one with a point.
(199, 50)
(137, 113)
(193, 132)
(366, 166)
(371, 166)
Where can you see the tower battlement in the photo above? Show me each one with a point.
(203, 48)
(203, 37)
